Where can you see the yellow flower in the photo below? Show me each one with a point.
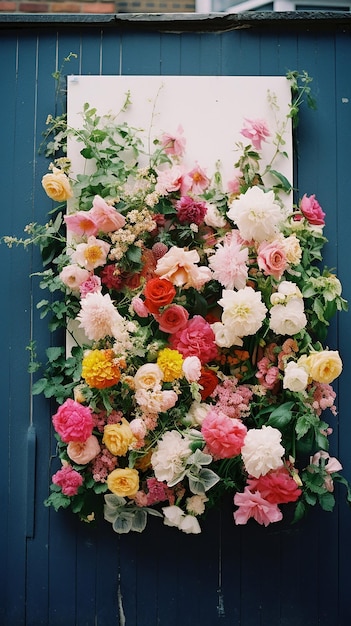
(118, 437)
(324, 366)
(170, 363)
(99, 369)
(57, 185)
(123, 482)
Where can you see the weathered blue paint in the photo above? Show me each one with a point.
(58, 572)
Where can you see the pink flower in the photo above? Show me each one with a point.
(189, 211)
(81, 223)
(253, 505)
(277, 487)
(106, 217)
(91, 285)
(172, 319)
(180, 267)
(82, 452)
(272, 259)
(98, 316)
(331, 465)
(195, 181)
(139, 307)
(158, 492)
(73, 421)
(256, 131)
(174, 145)
(91, 254)
(312, 210)
(73, 276)
(192, 368)
(195, 339)
(68, 479)
(229, 263)
(169, 180)
(224, 435)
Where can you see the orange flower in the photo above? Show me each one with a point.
(100, 370)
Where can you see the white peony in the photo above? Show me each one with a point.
(295, 377)
(288, 319)
(168, 459)
(256, 214)
(262, 450)
(99, 317)
(225, 336)
(243, 311)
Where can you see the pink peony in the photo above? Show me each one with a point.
(169, 180)
(68, 479)
(253, 505)
(224, 435)
(106, 217)
(172, 319)
(278, 486)
(271, 259)
(229, 263)
(81, 223)
(189, 211)
(73, 421)
(195, 339)
(256, 131)
(312, 210)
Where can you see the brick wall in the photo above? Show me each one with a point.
(100, 6)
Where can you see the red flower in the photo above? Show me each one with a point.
(209, 381)
(277, 487)
(158, 293)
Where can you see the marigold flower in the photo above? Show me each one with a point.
(170, 363)
(99, 369)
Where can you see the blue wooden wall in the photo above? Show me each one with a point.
(54, 570)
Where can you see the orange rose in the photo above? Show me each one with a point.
(57, 185)
(158, 293)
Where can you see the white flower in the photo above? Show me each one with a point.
(213, 217)
(192, 368)
(190, 525)
(243, 311)
(197, 413)
(288, 288)
(196, 504)
(262, 450)
(288, 319)
(99, 317)
(168, 459)
(295, 377)
(225, 336)
(256, 214)
(173, 515)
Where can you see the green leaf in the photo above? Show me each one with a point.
(327, 501)
(286, 186)
(281, 416)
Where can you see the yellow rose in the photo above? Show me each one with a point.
(118, 437)
(324, 366)
(57, 186)
(148, 376)
(123, 482)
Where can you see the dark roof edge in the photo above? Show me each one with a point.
(180, 22)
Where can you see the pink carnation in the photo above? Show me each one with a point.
(91, 285)
(195, 339)
(73, 421)
(68, 479)
(271, 259)
(278, 486)
(229, 262)
(224, 435)
(253, 505)
(189, 211)
(312, 210)
(256, 131)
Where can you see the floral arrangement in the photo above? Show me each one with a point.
(204, 309)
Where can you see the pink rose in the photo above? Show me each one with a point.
(180, 267)
(68, 479)
(73, 276)
(172, 319)
(82, 452)
(106, 217)
(91, 285)
(139, 307)
(312, 210)
(224, 435)
(73, 421)
(256, 131)
(195, 339)
(272, 259)
(192, 368)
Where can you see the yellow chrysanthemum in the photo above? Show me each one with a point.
(170, 363)
(99, 369)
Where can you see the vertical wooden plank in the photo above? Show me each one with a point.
(141, 53)
(111, 53)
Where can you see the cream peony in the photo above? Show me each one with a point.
(256, 214)
(243, 311)
(295, 377)
(180, 268)
(288, 319)
(262, 450)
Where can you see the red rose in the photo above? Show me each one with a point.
(172, 319)
(209, 381)
(158, 292)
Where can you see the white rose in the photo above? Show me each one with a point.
(295, 377)
(173, 515)
(213, 217)
(197, 413)
(288, 319)
(192, 368)
(225, 336)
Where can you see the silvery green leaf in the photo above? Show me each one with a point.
(199, 458)
(123, 523)
(139, 520)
